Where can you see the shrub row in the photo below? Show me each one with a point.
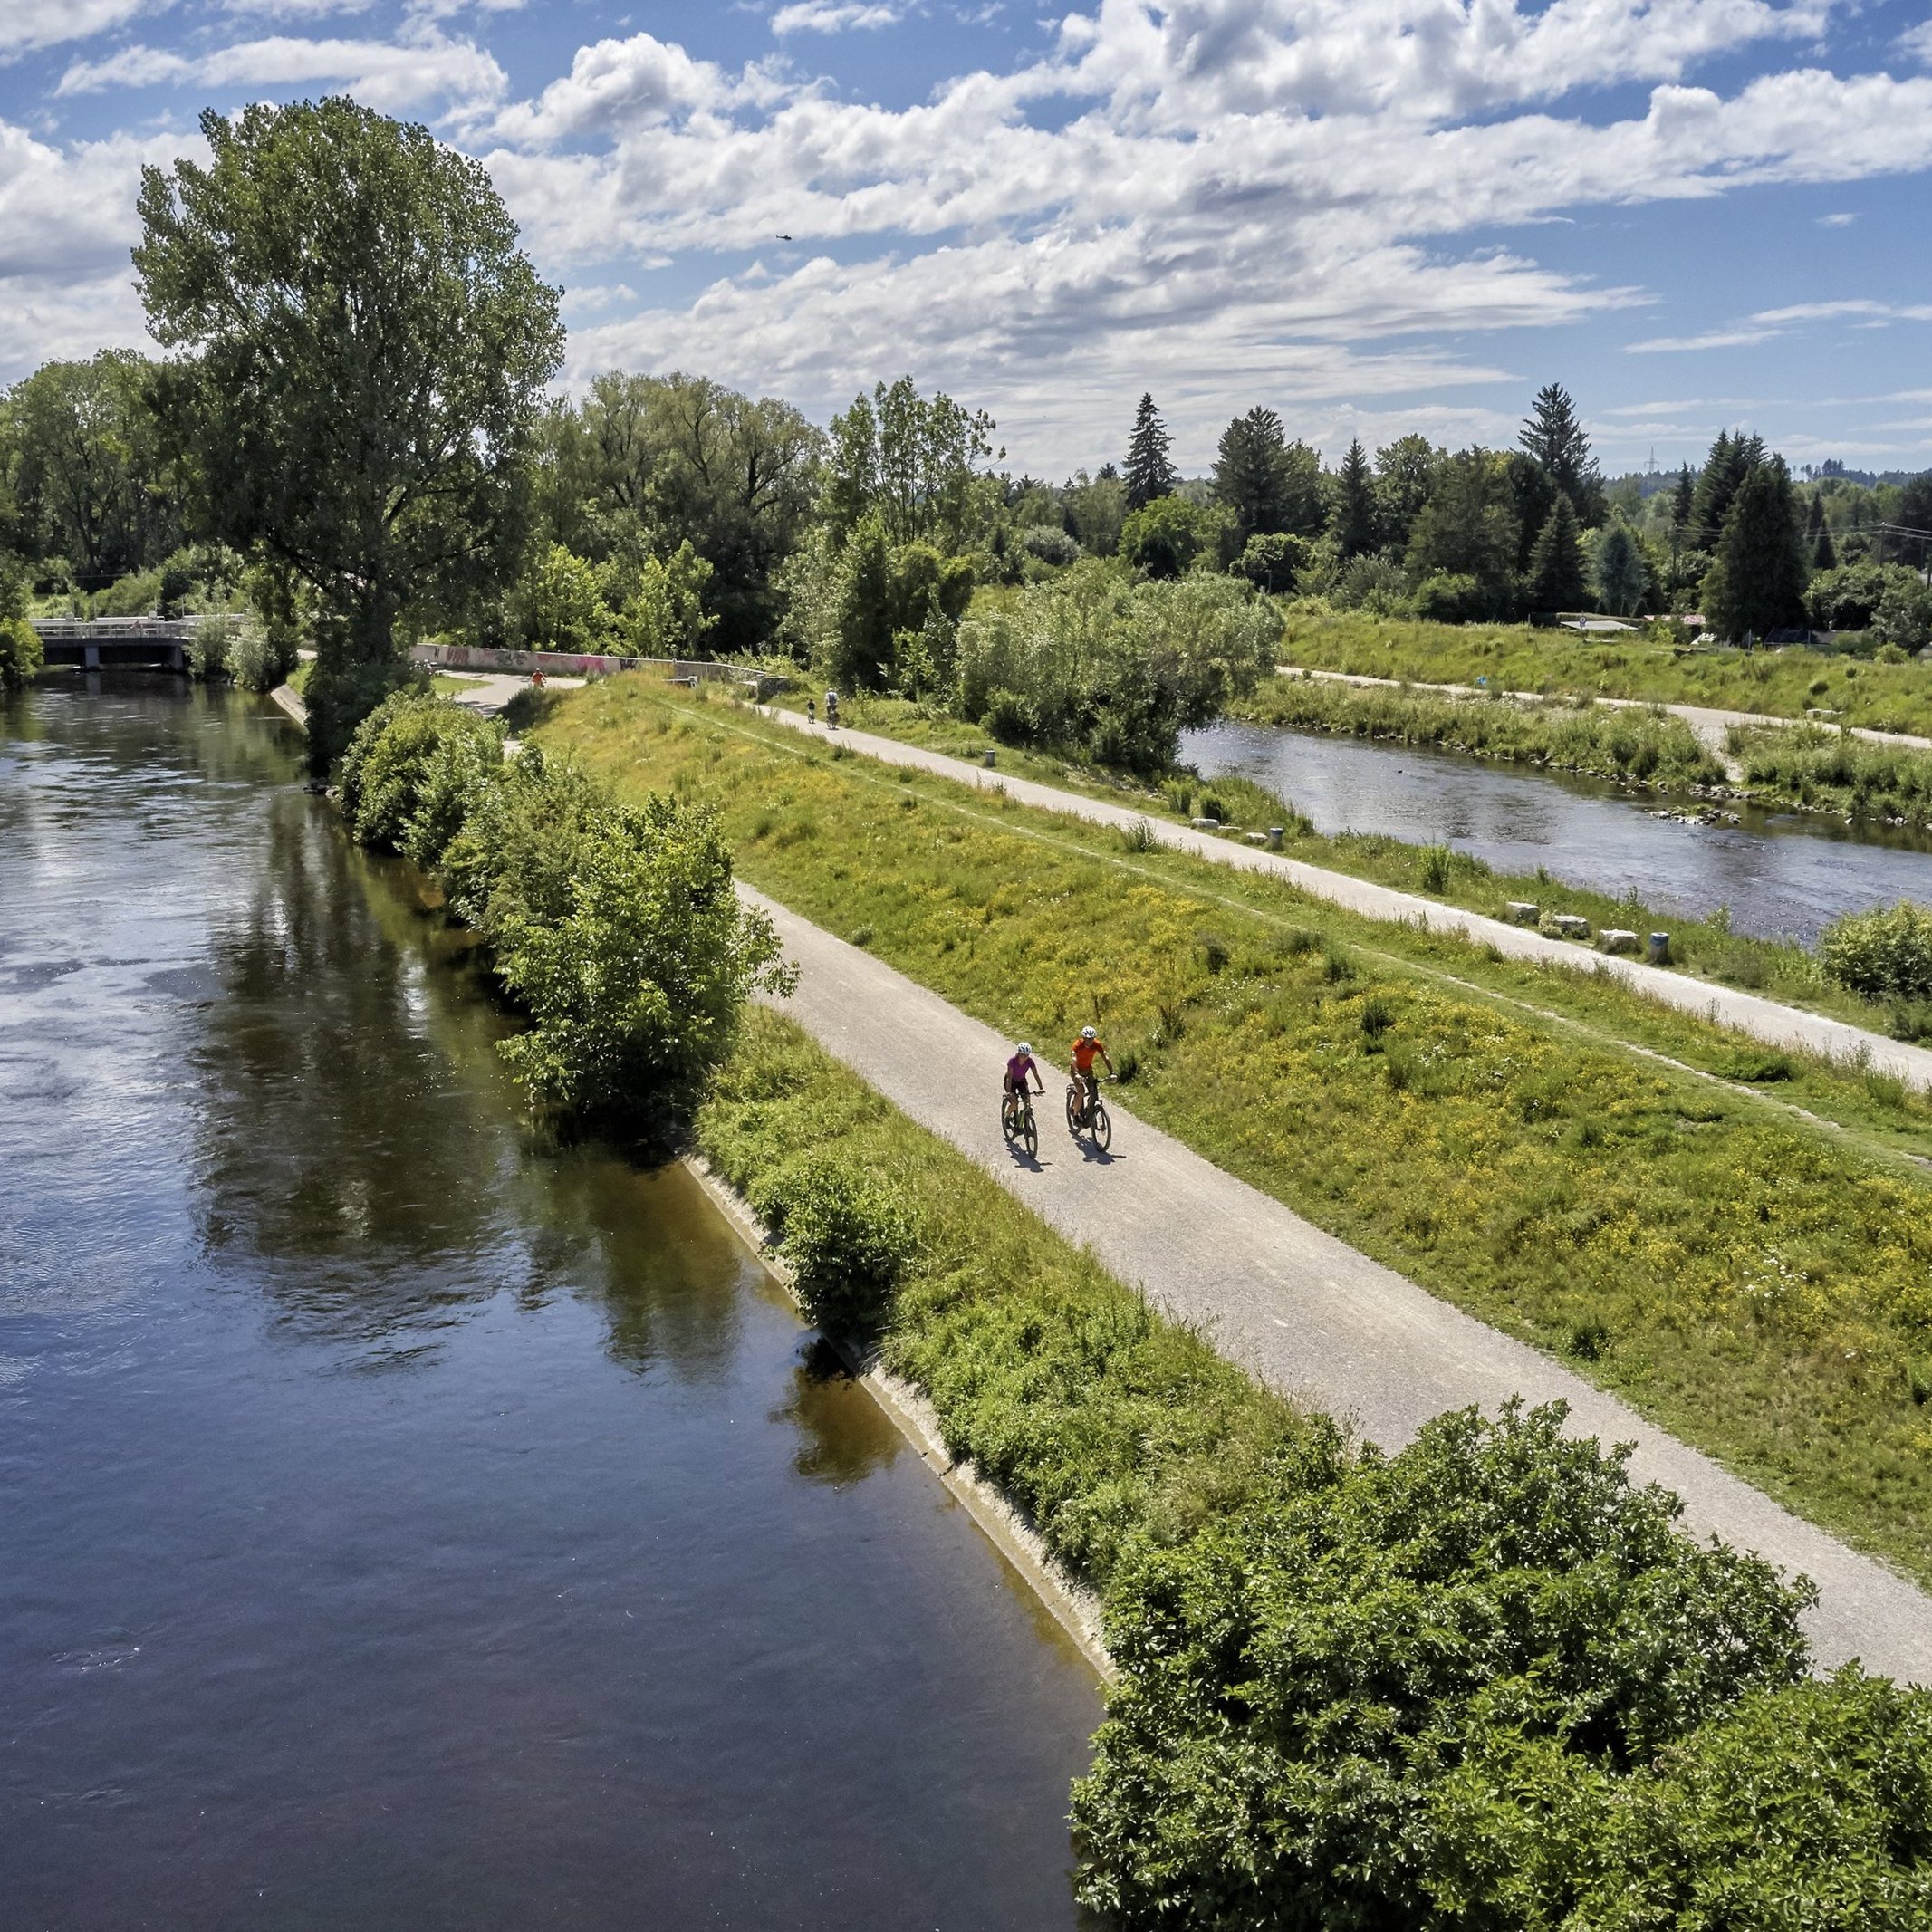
(1485, 1682)
(616, 927)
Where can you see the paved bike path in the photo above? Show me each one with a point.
(1777, 1026)
(1295, 1307)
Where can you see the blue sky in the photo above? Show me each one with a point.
(1371, 215)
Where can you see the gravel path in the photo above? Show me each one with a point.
(1784, 1026)
(1293, 1306)
(1709, 723)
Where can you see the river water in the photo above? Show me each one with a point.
(404, 1523)
(1784, 875)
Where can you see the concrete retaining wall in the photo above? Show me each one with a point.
(586, 664)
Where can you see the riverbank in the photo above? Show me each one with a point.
(1575, 1191)
(1425, 876)
(1789, 681)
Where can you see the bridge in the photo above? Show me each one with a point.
(103, 642)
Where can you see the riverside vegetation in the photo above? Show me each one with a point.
(1750, 1277)
(1485, 1682)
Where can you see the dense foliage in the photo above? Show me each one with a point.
(1486, 1683)
(1884, 954)
(383, 457)
(1115, 668)
(616, 927)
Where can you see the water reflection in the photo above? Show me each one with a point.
(844, 1434)
(1781, 874)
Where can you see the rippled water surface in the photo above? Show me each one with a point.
(403, 1524)
(1781, 874)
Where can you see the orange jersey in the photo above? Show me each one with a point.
(1085, 1053)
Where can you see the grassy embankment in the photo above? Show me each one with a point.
(1705, 948)
(1757, 1282)
(1789, 682)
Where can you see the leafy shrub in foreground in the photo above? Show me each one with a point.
(389, 757)
(1886, 952)
(1300, 1685)
(848, 1238)
(22, 655)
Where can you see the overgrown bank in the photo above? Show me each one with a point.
(1750, 1279)
(1791, 681)
(1483, 1683)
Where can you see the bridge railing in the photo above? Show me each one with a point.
(109, 630)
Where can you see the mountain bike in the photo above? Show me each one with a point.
(1017, 1122)
(1088, 1117)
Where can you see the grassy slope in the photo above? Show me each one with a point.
(1100, 1417)
(1760, 1285)
(1513, 657)
(1705, 949)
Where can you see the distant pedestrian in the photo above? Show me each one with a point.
(831, 709)
(536, 677)
(812, 711)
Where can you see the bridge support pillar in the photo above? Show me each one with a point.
(91, 657)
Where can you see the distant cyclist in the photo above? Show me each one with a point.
(1087, 1048)
(1021, 1068)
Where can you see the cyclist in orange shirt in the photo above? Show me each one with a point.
(1087, 1048)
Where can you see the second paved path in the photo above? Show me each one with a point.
(1293, 1306)
(1786, 1026)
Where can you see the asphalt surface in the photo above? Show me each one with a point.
(1296, 1308)
(1777, 1026)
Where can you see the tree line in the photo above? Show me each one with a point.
(351, 433)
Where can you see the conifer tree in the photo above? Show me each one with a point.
(1148, 472)
(1726, 468)
(1684, 501)
(1251, 479)
(1557, 581)
(1824, 552)
(1353, 521)
(1758, 576)
(1623, 572)
(1554, 439)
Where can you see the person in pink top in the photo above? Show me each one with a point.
(1019, 1068)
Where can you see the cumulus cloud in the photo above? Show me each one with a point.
(830, 16)
(28, 25)
(383, 74)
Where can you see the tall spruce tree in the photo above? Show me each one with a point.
(1353, 522)
(1554, 439)
(1149, 474)
(1251, 474)
(1684, 500)
(1623, 572)
(1758, 575)
(1557, 580)
(1824, 552)
(1724, 469)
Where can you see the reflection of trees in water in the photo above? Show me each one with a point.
(339, 1149)
(844, 1434)
(655, 1255)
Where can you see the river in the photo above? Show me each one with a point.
(1784, 875)
(405, 1521)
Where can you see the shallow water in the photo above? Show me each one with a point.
(1782, 874)
(404, 1523)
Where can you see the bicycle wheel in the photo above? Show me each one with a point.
(1101, 1126)
(1073, 1109)
(1009, 1125)
(1030, 1133)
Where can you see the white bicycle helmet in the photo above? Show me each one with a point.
(1087, 1033)
(1026, 1050)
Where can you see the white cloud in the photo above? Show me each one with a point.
(1851, 309)
(1836, 221)
(830, 16)
(28, 25)
(382, 74)
(1739, 338)
(1916, 43)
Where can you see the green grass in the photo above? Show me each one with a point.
(1653, 749)
(1791, 682)
(1099, 1418)
(1824, 768)
(1705, 948)
(1758, 1280)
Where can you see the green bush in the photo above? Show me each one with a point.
(207, 649)
(257, 660)
(1884, 954)
(1319, 1696)
(1164, 538)
(21, 657)
(1448, 598)
(847, 1236)
(389, 759)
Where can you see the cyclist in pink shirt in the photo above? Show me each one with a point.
(1019, 1067)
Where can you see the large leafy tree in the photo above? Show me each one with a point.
(1405, 474)
(361, 350)
(1758, 576)
(92, 479)
(1149, 472)
(911, 462)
